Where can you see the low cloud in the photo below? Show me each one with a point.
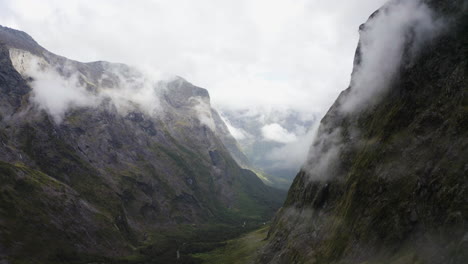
(52, 91)
(276, 140)
(292, 155)
(275, 132)
(203, 109)
(56, 95)
(298, 53)
(133, 90)
(57, 88)
(390, 40)
(293, 54)
(324, 153)
(237, 133)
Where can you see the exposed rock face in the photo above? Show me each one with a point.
(397, 190)
(107, 174)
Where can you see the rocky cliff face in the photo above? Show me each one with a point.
(99, 163)
(387, 182)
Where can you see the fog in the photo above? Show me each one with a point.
(275, 132)
(293, 154)
(203, 109)
(251, 55)
(58, 88)
(389, 41)
(275, 53)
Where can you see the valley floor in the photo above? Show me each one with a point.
(242, 250)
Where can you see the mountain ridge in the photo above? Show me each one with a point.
(387, 183)
(109, 178)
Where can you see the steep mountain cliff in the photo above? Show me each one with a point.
(99, 163)
(387, 177)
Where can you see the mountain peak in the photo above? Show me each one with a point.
(386, 183)
(104, 148)
(19, 40)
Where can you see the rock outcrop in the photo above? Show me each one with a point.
(388, 182)
(113, 172)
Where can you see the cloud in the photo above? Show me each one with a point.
(275, 140)
(292, 155)
(237, 133)
(275, 132)
(203, 109)
(51, 91)
(324, 153)
(271, 54)
(131, 88)
(278, 53)
(56, 95)
(57, 88)
(389, 41)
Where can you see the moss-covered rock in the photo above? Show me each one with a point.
(397, 191)
(107, 184)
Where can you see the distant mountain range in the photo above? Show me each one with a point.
(274, 141)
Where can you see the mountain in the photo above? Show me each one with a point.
(274, 141)
(386, 180)
(100, 163)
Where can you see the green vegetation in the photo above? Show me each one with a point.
(103, 186)
(33, 207)
(241, 250)
(22, 216)
(273, 181)
(399, 192)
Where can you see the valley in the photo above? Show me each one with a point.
(114, 177)
(104, 162)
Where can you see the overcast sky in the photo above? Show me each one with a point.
(248, 53)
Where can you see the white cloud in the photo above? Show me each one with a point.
(237, 133)
(293, 54)
(51, 91)
(270, 54)
(58, 92)
(389, 41)
(292, 155)
(203, 109)
(275, 132)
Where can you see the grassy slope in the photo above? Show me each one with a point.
(242, 250)
(32, 220)
(61, 205)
